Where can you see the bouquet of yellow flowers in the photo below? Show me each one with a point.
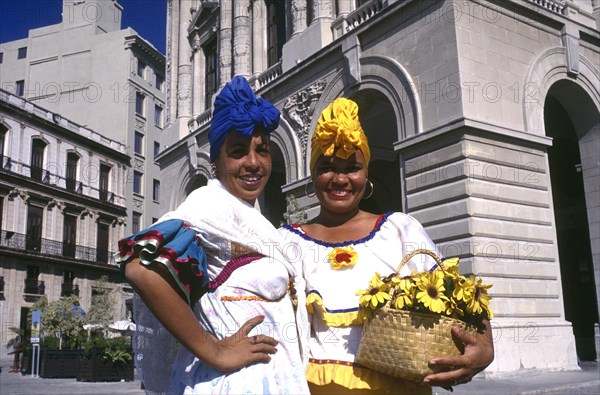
(408, 319)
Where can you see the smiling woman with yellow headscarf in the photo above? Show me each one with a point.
(339, 133)
(341, 248)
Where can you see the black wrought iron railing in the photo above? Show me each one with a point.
(33, 286)
(19, 241)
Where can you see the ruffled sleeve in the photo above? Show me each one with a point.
(175, 245)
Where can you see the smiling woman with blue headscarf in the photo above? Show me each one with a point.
(215, 262)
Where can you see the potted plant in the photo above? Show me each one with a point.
(61, 335)
(106, 360)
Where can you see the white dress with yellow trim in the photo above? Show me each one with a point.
(334, 272)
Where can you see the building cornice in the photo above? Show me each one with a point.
(138, 44)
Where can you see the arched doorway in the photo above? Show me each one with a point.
(379, 123)
(273, 203)
(569, 117)
(196, 182)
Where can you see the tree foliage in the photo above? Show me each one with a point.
(102, 309)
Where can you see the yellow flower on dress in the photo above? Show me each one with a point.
(481, 300)
(376, 295)
(431, 291)
(342, 257)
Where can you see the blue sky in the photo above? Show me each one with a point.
(147, 17)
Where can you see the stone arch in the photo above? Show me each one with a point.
(287, 141)
(191, 177)
(551, 67)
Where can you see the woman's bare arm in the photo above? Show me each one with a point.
(155, 286)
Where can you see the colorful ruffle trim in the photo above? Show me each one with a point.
(333, 318)
(173, 244)
(354, 376)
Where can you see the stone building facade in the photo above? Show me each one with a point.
(91, 71)
(62, 211)
(483, 122)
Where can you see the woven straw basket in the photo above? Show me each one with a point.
(400, 343)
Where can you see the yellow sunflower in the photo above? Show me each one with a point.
(481, 300)
(402, 299)
(463, 288)
(342, 257)
(451, 267)
(431, 291)
(376, 295)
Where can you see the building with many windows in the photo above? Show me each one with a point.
(482, 119)
(109, 79)
(62, 210)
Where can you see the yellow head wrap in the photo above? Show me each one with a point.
(339, 132)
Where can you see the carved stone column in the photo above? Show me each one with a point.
(184, 75)
(344, 7)
(297, 14)
(172, 56)
(259, 31)
(241, 38)
(225, 35)
(322, 9)
(198, 76)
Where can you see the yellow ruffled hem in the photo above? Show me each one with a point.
(348, 318)
(350, 377)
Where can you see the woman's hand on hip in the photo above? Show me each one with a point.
(239, 350)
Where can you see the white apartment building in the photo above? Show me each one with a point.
(109, 79)
(62, 211)
(483, 122)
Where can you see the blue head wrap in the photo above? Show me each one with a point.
(237, 107)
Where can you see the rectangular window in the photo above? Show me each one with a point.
(210, 77)
(276, 30)
(20, 88)
(37, 159)
(138, 144)
(156, 148)
(141, 67)
(1, 57)
(159, 81)
(158, 116)
(71, 173)
(139, 103)
(137, 182)
(34, 228)
(104, 174)
(102, 243)
(22, 53)
(154, 219)
(155, 190)
(136, 222)
(69, 235)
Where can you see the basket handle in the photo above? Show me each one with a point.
(411, 254)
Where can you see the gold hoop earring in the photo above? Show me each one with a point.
(372, 189)
(306, 191)
(213, 170)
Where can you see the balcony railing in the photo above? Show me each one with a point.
(54, 178)
(19, 241)
(34, 287)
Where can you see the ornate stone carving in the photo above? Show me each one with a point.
(119, 221)
(299, 108)
(140, 125)
(56, 203)
(138, 203)
(18, 193)
(138, 164)
(87, 212)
